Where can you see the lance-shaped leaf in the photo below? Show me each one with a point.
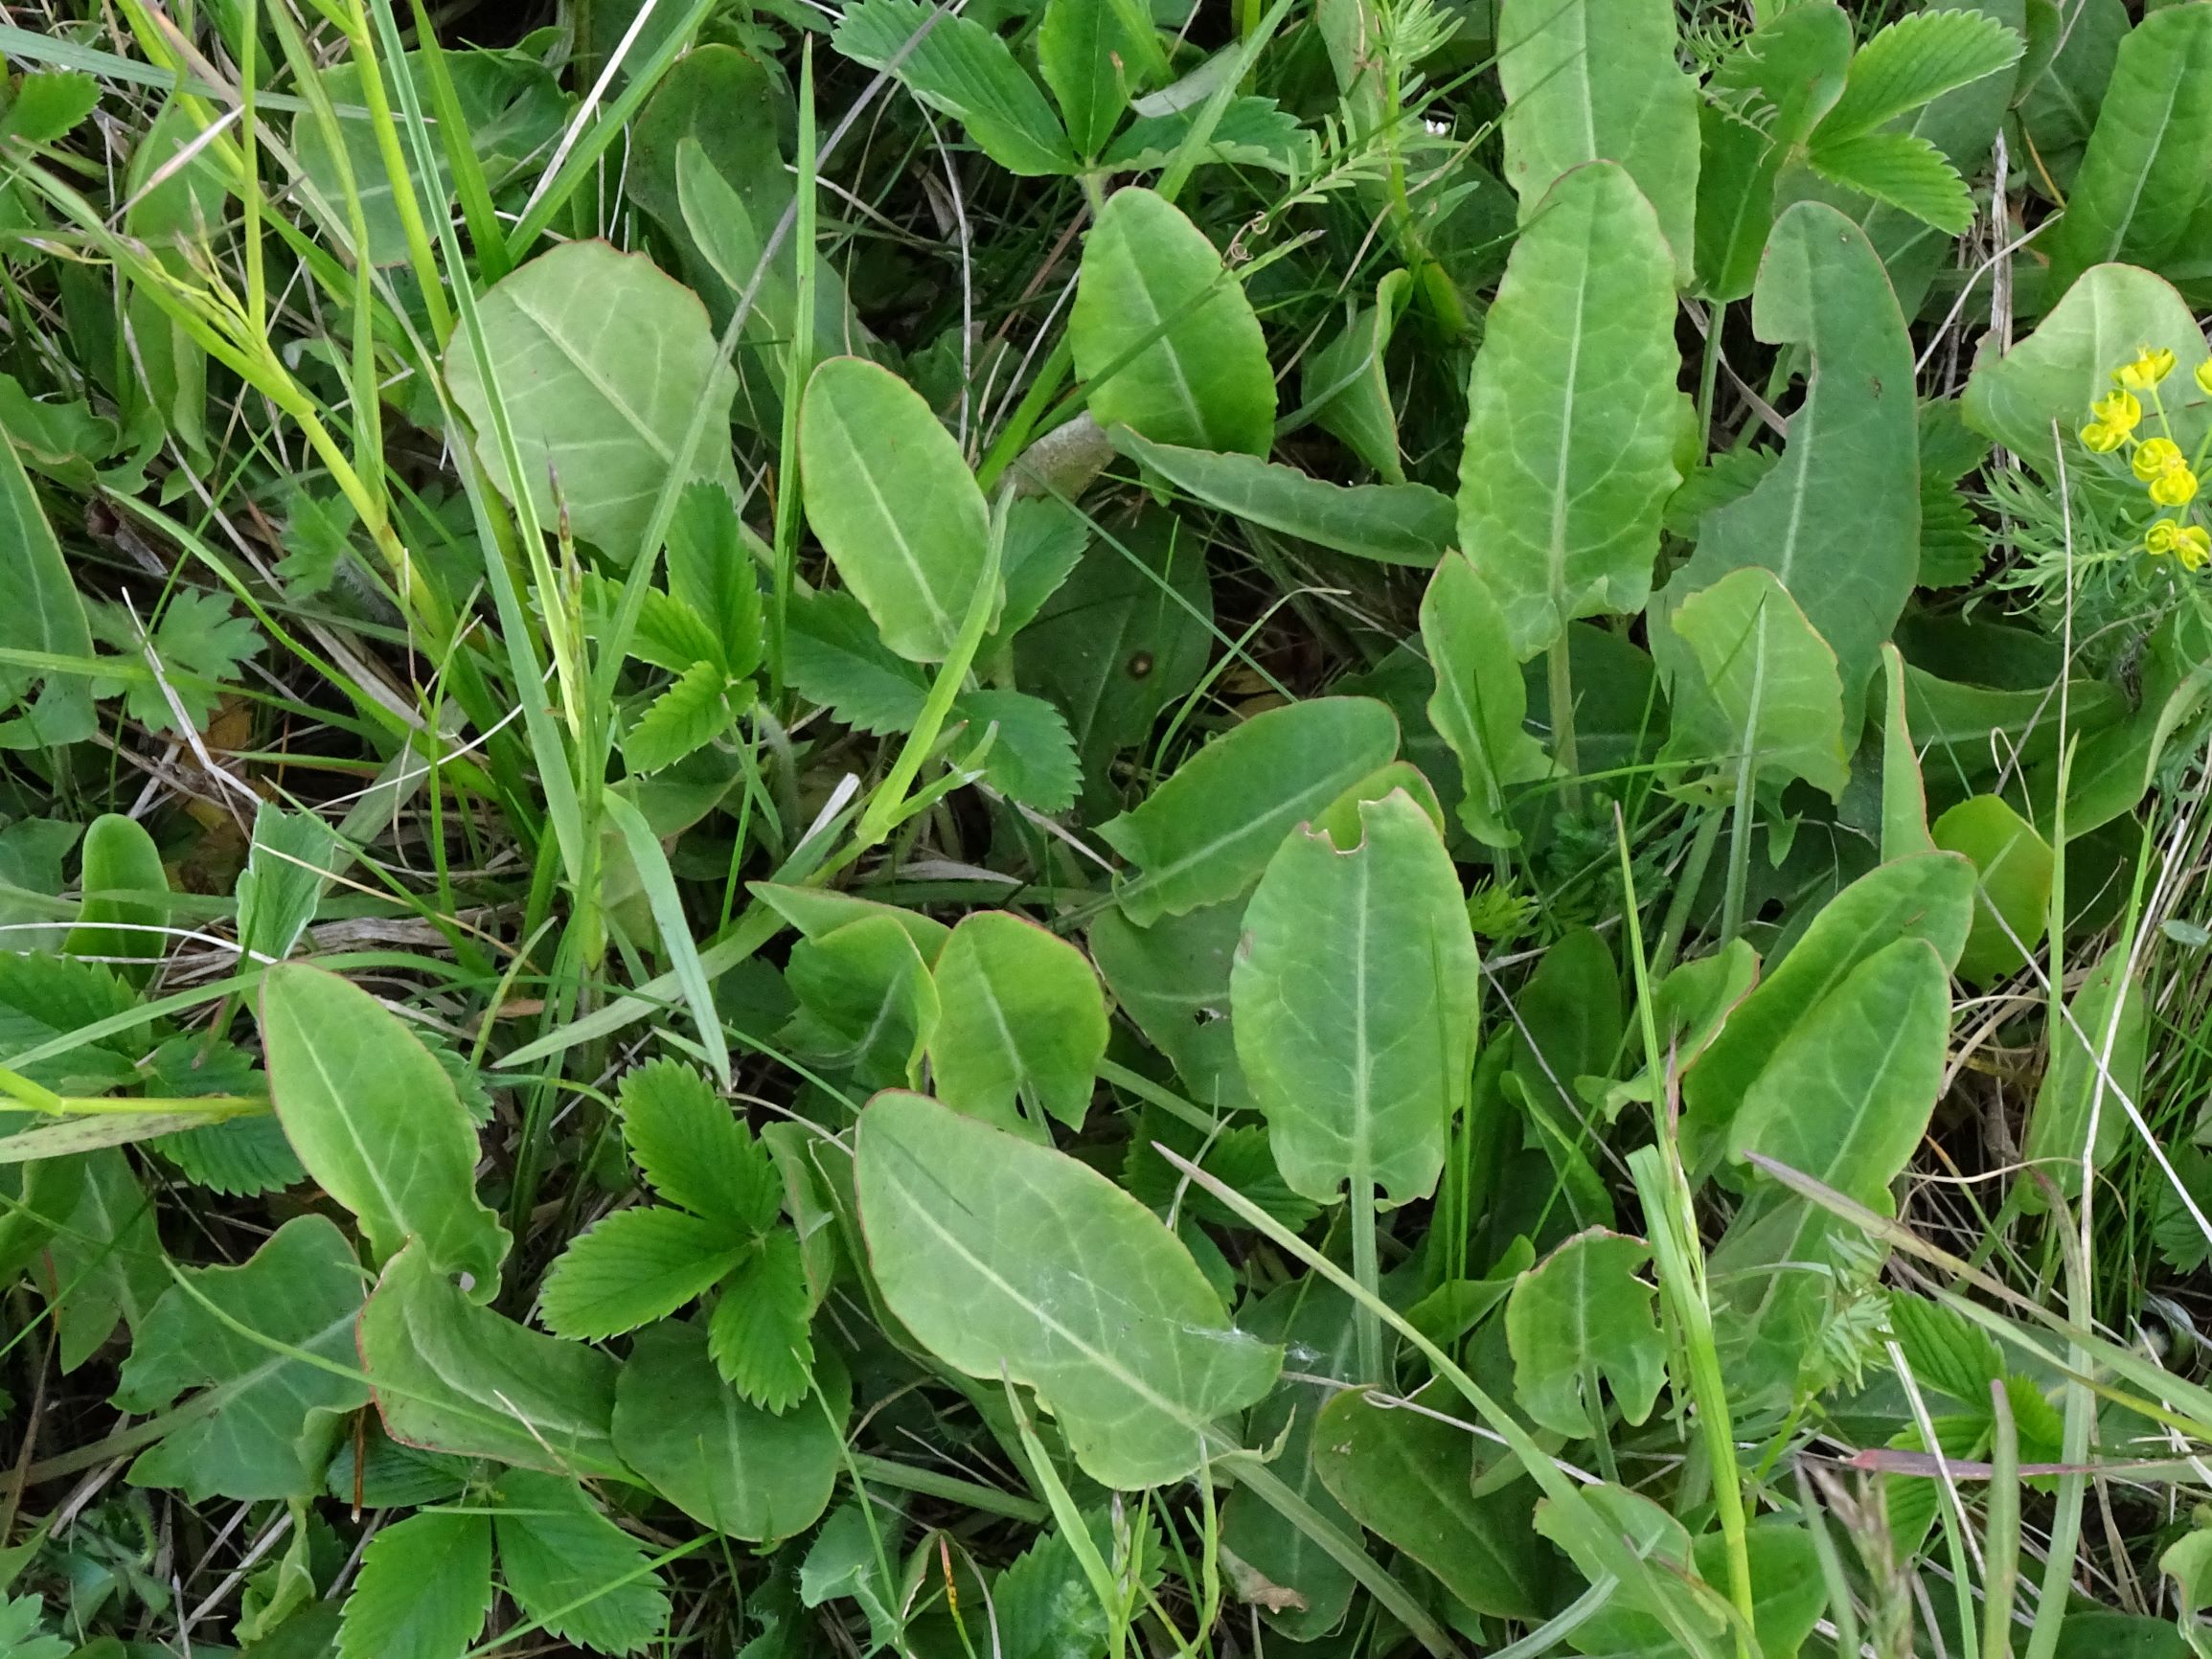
(1580, 1315)
(454, 1377)
(602, 361)
(1000, 1278)
(1929, 896)
(266, 1419)
(1390, 523)
(44, 615)
(956, 65)
(1845, 1099)
(1760, 103)
(893, 501)
(2097, 1053)
(124, 886)
(1573, 418)
(1093, 54)
(1204, 835)
(1347, 379)
(726, 1464)
(1766, 701)
(1409, 1479)
(2142, 177)
(1837, 520)
(1903, 795)
(1163, 336)
(376, 1122)
(1021, 1025)
(2112, 313)
(1356, 996)
(1481, 699)
(1597, 81)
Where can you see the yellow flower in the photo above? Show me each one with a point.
(2118, 410)
(2175, 488)
(2162, 537)
(2202, 375)
(2155, 457)
(2149, 368)
(2101, 439)
(2193, 546)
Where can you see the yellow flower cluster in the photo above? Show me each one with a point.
(2158, 462)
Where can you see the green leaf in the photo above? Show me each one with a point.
(199, 644)
(454, 1377)
(1164, 337)
(1573, 419)
(694, 1149)
(1346, 385)
(1089, 57)
(424, 1590)
(711, 575)
(1837, 521)
(962, 70)
(511, 111)
(43, 613)
(634, 1267)
(2059, 107)
(2013, 866)
(602, 362)
(686, 716)
(376, 1123)
(866, 1001)
(818, 912)
(104, 1261)
(1901, 169)
(1790, 1593)
(124, 887)
(1767, 701)
(998, 1278)
(2105, 318)
(1021, 1026)
(833, 657)
(1032, 755)
(1205, 834)
(48, 105)
(1356, 996)
(288, 869)
(1845, 1099)
(1409, 1479)
(574, 1569)
(1580, 1315)
(1913, 61)
(1172, 979)
(1597, 81)
(1903, 795)
(728, 1465)
(1928, 896)
(1847, 1094)
(758, 1334)
(1125, 637)
(1760, 103)
(265, 1422)
(2142, 177)
(893, 501)
(1390, 523)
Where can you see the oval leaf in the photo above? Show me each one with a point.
(999, 1278)
(893, 503)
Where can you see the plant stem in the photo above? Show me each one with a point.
(1559, 666)
(1366, 1273)
(1739, 855)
